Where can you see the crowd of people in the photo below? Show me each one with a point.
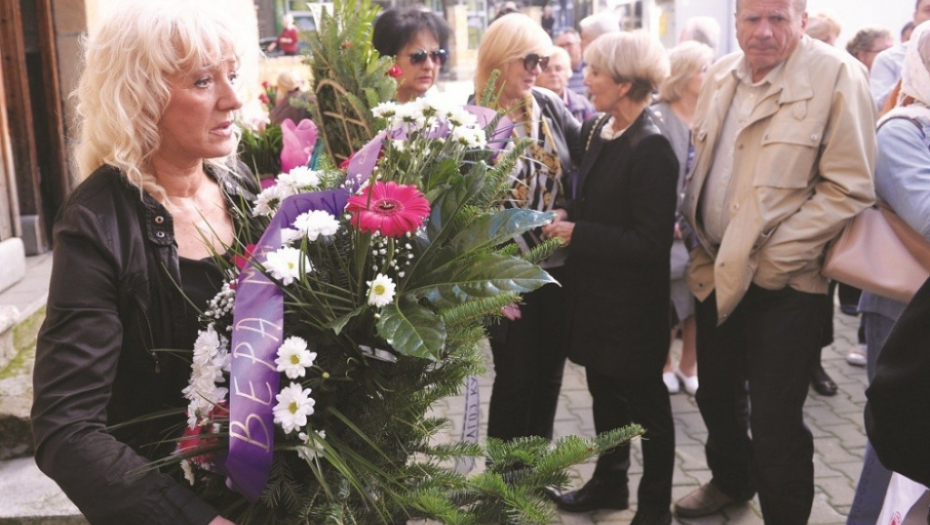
(692, 197)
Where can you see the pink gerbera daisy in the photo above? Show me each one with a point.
(388, 208)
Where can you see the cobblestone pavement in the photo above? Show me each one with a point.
(836, 423)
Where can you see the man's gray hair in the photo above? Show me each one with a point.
(799, 5)
(600, 24)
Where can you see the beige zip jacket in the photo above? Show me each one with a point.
(809, 147)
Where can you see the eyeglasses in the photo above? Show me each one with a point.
(532, 60)
(438, 56)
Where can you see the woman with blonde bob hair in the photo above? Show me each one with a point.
(675, 109)
(529, 346)
(619, 233)
(134, 258)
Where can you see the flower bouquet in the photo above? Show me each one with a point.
(362, 305)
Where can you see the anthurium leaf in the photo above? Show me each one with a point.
(412, 330)
(340, 322)
(493, 229)
(446, 206)
(483, 275)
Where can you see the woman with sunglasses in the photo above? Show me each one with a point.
(529, 347)
(619, 231)
(417, 39)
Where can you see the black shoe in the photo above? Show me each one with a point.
(821, 382)
(652, 516)
(596, 494)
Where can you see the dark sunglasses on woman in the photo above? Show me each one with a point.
(438, 56)
(530, 61)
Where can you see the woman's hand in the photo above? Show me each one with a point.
(512, 312)
(562, 229)
(219, 520)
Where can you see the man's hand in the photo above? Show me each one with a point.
(219, 520)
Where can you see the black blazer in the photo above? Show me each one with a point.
(618, 262)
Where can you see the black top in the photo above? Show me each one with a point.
(113, 303)
(201, 280)
(618, 258)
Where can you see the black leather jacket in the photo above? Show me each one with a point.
(113, 301)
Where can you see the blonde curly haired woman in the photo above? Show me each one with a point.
(133, 261)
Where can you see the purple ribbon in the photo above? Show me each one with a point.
(258, 330)
(258, 325)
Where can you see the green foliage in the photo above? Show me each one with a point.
(349, 78)
(261, 150)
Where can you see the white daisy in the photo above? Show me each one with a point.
(267, 201)
(299, 180)
(311, 446)
(294, 405)
(285, 264)
(315, 223)
(385, 110)
(294, 357)
(381, 291)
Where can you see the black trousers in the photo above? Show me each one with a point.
(763, 355)
(638, 397)
(529, 359)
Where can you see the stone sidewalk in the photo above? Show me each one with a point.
(836, 423)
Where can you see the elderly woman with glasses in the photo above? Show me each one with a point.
(619, 230)
(417, 39)
(529, 347)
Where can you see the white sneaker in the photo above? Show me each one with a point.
(690, 382)
(857, 356)
(671, 382)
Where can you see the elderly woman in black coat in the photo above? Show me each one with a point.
(619, 230)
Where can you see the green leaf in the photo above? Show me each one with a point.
(496, 228)
(413, 330)
(336, 325)
(484, 275)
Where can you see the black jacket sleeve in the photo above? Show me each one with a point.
(76, 363)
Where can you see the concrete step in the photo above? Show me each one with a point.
(16, 387)
(31, 498)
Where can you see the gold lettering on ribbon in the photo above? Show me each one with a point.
(246, 436)
(251, 275)
(252, 395)
(241, 325)
(251, 355)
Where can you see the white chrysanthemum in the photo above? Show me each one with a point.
(299, 180)
(188, 471)
(469, 136)
(385, 110)
(399, 145)
(289, 235)
(285, 264)
(294, 357)
(294, 405)
(381, 291)
(311, 446)
(210, 360)
(267, 201)
(409, 118)
(315, 223)
(458, 116)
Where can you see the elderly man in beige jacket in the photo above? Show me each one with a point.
(784, 151)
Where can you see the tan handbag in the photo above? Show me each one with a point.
(878, 252)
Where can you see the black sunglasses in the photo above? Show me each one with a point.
(530, 61)
(438, 56)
